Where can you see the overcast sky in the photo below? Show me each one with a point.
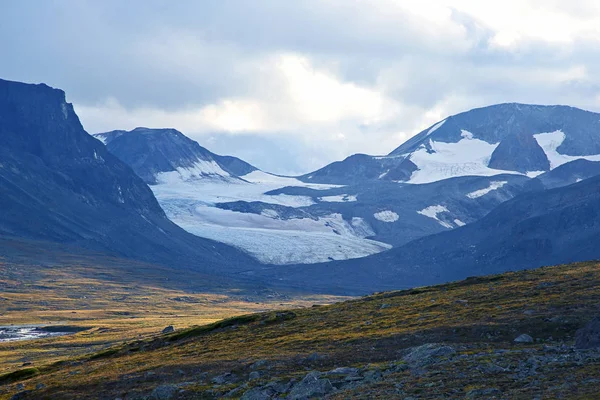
(291, 85)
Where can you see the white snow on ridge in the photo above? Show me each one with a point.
(550, 142)
(469, 156)
(386, 216)
(494, 185)
(435, 127)
(276, 181)
(202, 169)
(458, 222)
(533, 174)
(342, 198)
(101, 138)
(433, 211)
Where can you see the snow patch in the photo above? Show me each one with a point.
(469, 156)
(551, 141)
(458, 222)
(342, 198)
(384, 174)
(263, 178)
(201, 169)
(361, 227)
(533, 174)
(386, 216)
(433, 211)
(435, 127)
(495, 185)
(101, 138)
(466, 134)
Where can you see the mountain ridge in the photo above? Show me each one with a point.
(501, 138)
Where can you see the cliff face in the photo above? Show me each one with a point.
(57, 183)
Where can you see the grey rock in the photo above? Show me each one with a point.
(588, 337)
(384, 306)
(343, 371)
(524, 338)
(40, 386)
(260, 364)
(427, 354)
(279, 387)
(168, 329)
(20, 386)
(254, 375)
(222, 379)
(164, 392)
(21, 395)
(310, 387)
(492, 369)
(256, 394)
(372, 376)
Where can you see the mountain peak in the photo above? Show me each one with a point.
(513, 138)
(152, 152)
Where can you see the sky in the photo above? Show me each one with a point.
(291, 86)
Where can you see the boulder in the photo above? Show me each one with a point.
(168, 329)
(164, 392)
(256, 394)
(310, 387)
(427, 354)
(588, 337)
(524, 338)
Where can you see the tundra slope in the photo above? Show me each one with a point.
(455, 341)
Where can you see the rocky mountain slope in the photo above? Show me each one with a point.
(533, 229)
(59, 184)
(525, 335)
(157, 153)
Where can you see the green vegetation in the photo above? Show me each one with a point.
(18, 375)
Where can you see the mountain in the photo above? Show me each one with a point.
(59, 184)
(536, 228)
(226, 199)
(157, 153)
(449, 175)
(282, 220)
(505, 138)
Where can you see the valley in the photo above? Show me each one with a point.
(140, 265)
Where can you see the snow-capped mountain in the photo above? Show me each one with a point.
(166, 154)
(510, 138)
(448, 176)
(199, 190)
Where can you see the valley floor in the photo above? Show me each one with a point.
(450, 341)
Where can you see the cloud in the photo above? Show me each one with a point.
(326, 78)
